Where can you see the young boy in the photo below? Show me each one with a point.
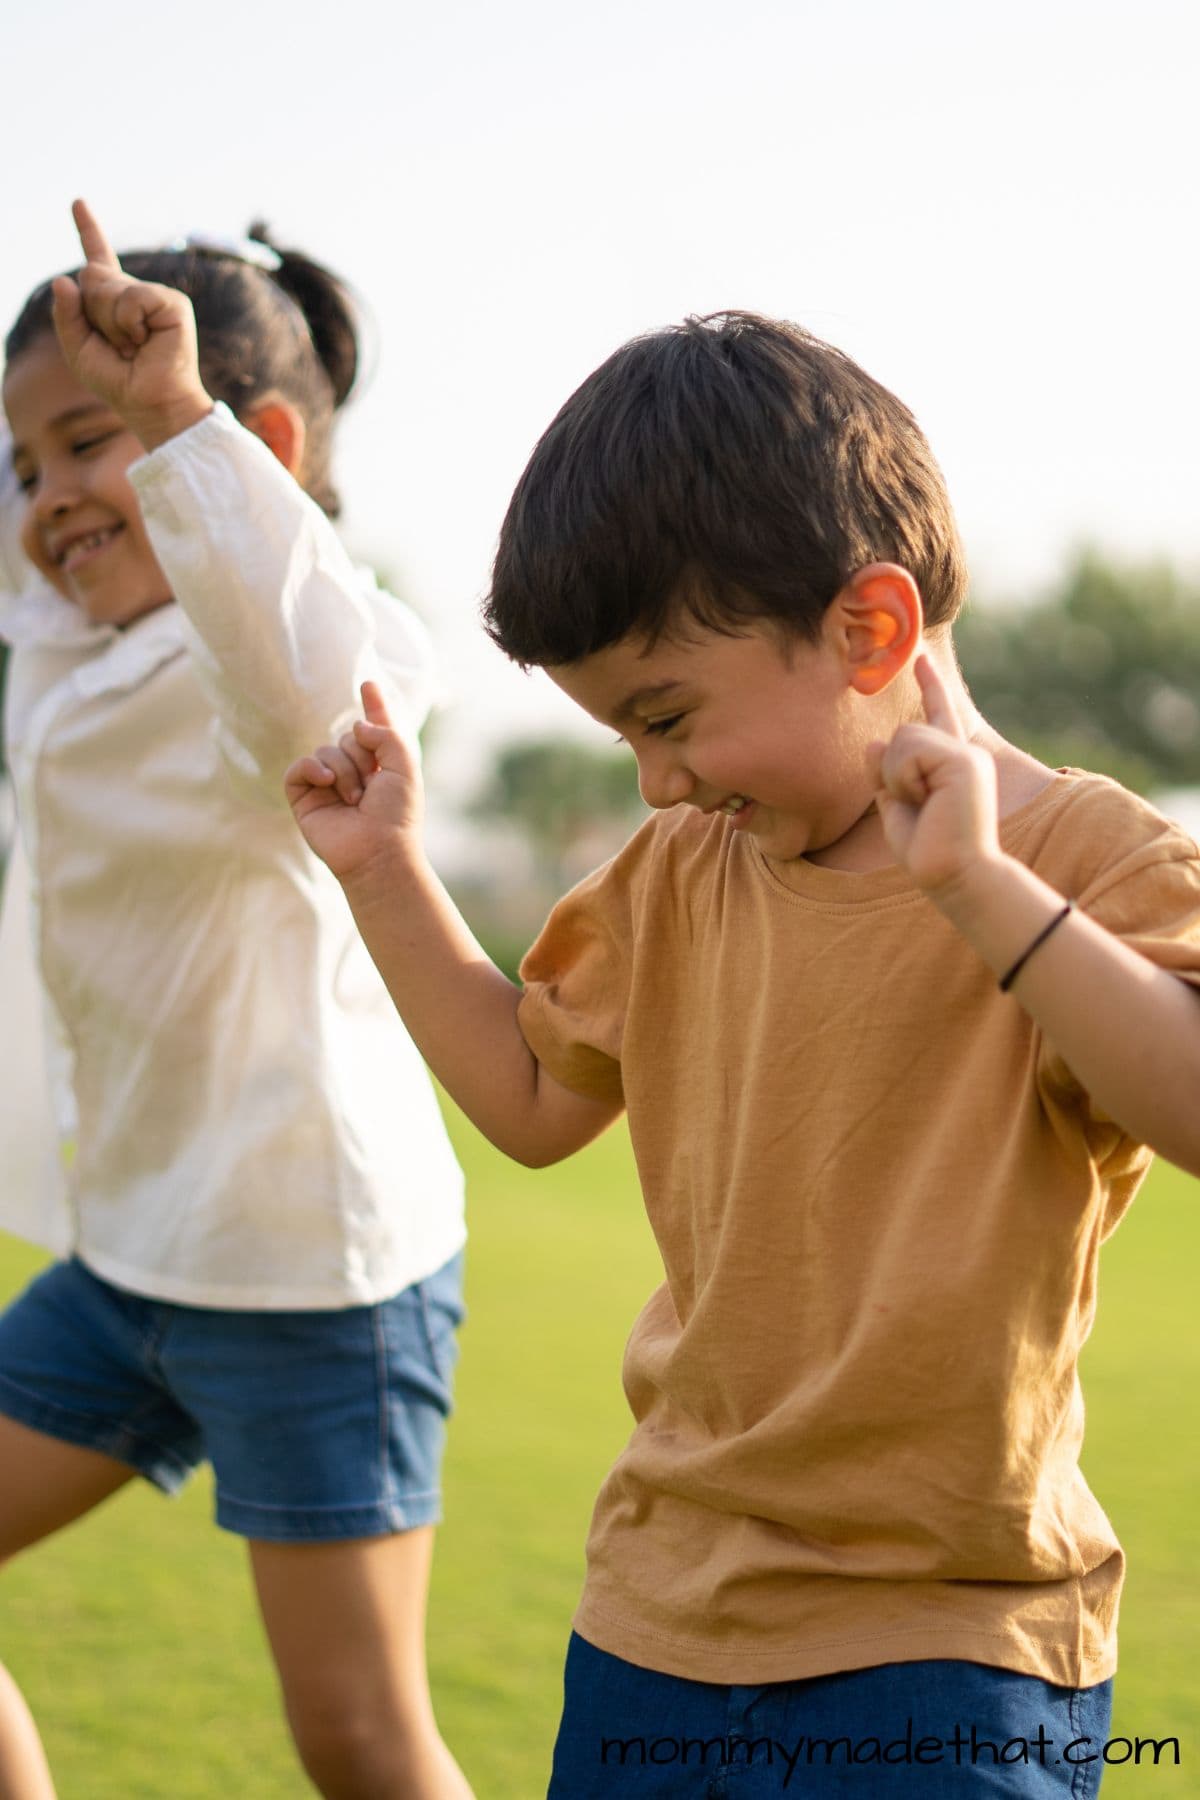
(887, 1089)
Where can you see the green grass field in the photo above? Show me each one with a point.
(135, 1637)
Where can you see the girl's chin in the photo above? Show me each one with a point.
(102, 609)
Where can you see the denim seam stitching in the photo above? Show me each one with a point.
(387, 1494)
(386, 1501)
(125, 1434)
(443, 1373)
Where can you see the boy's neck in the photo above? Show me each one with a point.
(1020, 778)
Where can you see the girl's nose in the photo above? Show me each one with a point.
(55, 491)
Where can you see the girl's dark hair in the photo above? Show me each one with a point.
(727, 469)
(293, 331)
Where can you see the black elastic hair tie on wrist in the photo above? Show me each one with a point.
(1006, 981)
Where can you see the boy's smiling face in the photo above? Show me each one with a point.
(771, 732)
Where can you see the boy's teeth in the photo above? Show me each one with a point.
(734, 805)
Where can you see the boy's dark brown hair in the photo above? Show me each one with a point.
(724, 470)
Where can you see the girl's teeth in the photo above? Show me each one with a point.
(735, 805)
(91, 542)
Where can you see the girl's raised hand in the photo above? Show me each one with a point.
(359, 802)
(133, 343)
(937, 791)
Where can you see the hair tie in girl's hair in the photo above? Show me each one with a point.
(247, 250)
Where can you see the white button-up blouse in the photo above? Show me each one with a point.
(243, 1120)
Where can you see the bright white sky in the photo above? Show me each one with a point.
(992, 207)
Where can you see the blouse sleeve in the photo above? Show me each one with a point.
(281, 626)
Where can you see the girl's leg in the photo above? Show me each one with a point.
(46, 1484)
(346, 1624)
(24, 1771)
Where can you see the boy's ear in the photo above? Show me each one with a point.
(280, 425)
(880, 612)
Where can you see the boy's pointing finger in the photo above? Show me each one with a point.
(939, 708)
(374, 705)
(96, 247)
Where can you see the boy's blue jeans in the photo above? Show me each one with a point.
(902, 1731)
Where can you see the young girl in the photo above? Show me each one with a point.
(265, 1213)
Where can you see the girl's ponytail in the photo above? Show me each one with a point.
(327, 307)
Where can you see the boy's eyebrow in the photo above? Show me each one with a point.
(641, 695)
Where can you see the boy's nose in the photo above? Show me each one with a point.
(663, 782)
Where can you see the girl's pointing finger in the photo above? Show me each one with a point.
(69, 320)
(96, 247)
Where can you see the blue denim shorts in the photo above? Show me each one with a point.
(318, 1425)
(903, 1731)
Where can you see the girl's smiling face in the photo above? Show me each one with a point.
(82, 527)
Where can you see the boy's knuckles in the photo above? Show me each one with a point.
(350, 746)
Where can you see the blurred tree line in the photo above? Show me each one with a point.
(563, 796)
(1101, 671)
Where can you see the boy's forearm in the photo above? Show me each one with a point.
(458, 1007)
(1129, 1032)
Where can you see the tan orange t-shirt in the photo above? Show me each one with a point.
(879, 1195)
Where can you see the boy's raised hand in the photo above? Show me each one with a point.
(133, 343)
(937, 791)
(359, 802)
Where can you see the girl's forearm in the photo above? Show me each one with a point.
(1128, 1031)
(282, 630)
(176, 414)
